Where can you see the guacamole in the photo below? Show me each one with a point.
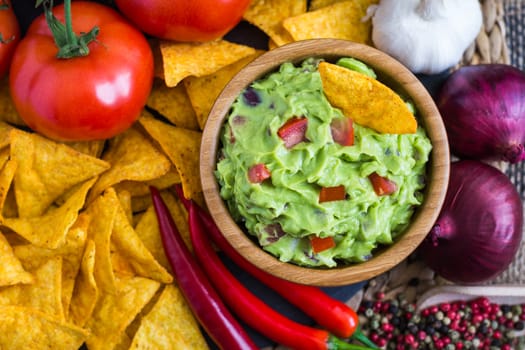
(281, 206)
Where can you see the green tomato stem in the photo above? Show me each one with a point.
(70, 35)
(69, 44)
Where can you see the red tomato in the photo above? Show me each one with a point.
(329, 194)
(293, 131)
(9, 35)
(382, 185)
(82, 98)
(258, 173)
(342, 131)
(321, 244)
(184, 20)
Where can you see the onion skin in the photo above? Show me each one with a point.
(483, 109)
(479, 229)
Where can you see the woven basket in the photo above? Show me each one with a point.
(490, 45)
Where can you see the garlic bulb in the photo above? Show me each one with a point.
(427, 36)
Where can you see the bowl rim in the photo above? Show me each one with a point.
(438, 167)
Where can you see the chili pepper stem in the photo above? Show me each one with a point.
(69, 44)
(335, 343)
(362, 338)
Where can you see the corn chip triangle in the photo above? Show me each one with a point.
(366, 101)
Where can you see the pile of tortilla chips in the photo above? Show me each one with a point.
(81, 259)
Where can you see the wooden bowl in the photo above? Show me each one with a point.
(389, 71)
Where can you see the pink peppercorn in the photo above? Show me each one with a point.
(381, 342)
(374, 337)
(509, 323)
(444, 307)
(477, 318)
(445, 340)
(387, 327)
(409, 339)
(385, 307)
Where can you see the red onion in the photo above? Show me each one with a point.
(483, 108)
(479, 229)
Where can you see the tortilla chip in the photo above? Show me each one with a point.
(182, 147)
(132, 157)
(45, 294)
(50, 229)
(5, 134)
(181, 60)
(26, 328)
(71, 253)
(128, 244)
(11, 270)
(47, 169)
(114, 312)
(103, 211)
(342, 20)
(10, 209)
(91, 148)
(268, 15)
(124, 343)
(8, 112)
(272, 45)
(5, 154)
(173, 104)
(148, 228)
(136, 188)
(203, 91)
(140, 204)
(366, 101)
(85, 293)
(317, 4)
(169, 325)
(6, 178)
(124, 198)
(121, 264)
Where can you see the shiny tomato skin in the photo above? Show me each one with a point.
(83, 98)
(184, 20)
(10, 31)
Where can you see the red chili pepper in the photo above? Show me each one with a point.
(330, 313)
(251, 309)
(202, 298)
